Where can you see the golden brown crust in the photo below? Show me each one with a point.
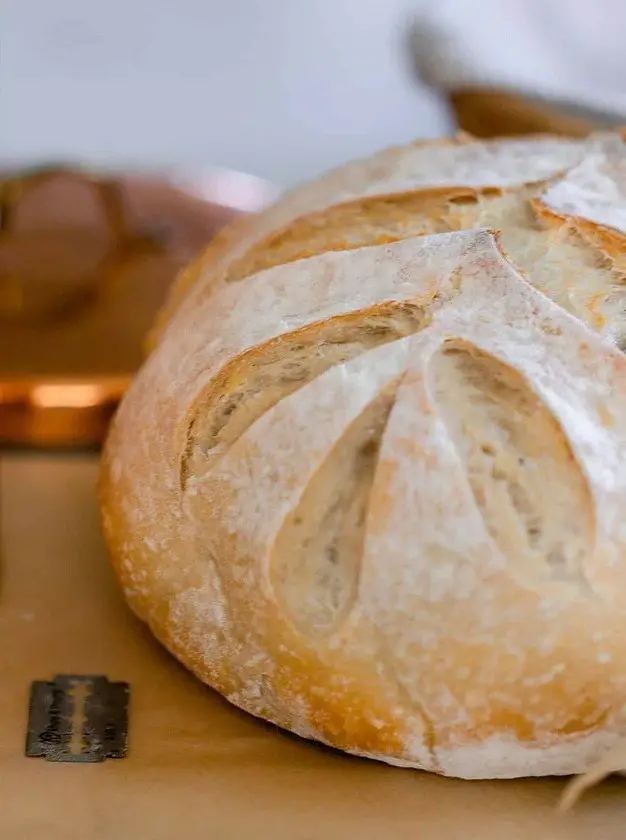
(220, 245)
(363, 493)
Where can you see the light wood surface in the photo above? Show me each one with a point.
(197, 769)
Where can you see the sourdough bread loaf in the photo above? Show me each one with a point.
(369, 484)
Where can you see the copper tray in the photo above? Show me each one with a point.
(86, 259)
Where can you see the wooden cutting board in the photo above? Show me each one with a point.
(197, 768)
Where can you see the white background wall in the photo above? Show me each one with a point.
(281, 88)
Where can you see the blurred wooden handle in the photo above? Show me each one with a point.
(494, 113)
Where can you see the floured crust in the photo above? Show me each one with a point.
(422, 189)
(402, 400)
(421, 166)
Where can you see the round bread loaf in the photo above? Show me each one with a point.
(370, 483)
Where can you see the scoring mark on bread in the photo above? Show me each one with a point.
(526, 481)
(591, 288)
(371, 220)
(255, 381)
(315, 563)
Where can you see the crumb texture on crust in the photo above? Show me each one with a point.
(375, 494)
(511, 447)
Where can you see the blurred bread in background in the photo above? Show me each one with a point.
(86, 257)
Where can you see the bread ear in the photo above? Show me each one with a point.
(367, 202)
